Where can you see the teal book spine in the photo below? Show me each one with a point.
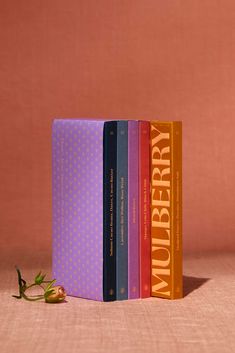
(122, 211)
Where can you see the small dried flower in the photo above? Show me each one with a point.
(51, 294)
(56, 294)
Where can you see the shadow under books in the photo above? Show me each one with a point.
(190, 284)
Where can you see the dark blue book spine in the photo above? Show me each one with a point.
(122, 211)
(109, 210)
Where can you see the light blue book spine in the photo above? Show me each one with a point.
(122, 211)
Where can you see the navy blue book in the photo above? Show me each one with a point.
(109, 210)
(122, 211)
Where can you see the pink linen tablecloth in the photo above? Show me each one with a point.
(203, 321)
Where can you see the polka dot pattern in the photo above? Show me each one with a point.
(77, 192)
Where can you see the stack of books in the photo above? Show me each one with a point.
(117, 208)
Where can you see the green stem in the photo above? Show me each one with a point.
(30, 286)
(32, 299)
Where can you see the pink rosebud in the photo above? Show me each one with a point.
(57, 294)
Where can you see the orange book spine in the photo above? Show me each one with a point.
(144, 209)
(166, 209)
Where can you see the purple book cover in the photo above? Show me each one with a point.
(133, 210)
(77, 190)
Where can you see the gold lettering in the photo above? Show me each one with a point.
(160, 160)
(160, 215)
(160, 201)
(159, 181)
(161, 263)
(160, 135)
(157, 241)
(161, 284)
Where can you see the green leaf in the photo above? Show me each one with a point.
(43, 276)
(39, 278)
(38, 275)
(48, 293)
(50, 285)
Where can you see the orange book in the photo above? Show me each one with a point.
(166, 209)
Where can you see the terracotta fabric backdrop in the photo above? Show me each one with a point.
(152, 59)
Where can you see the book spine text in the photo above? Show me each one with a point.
(166, 209)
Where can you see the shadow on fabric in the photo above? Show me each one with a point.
(191, 284)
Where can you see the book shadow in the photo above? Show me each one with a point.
(190, 284)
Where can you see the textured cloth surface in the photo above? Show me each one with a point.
(203, 321)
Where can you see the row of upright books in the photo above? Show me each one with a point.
(117, 208)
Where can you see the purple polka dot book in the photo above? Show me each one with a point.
(83, 228)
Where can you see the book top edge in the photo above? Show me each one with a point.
(173, 122)
(65, 120)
